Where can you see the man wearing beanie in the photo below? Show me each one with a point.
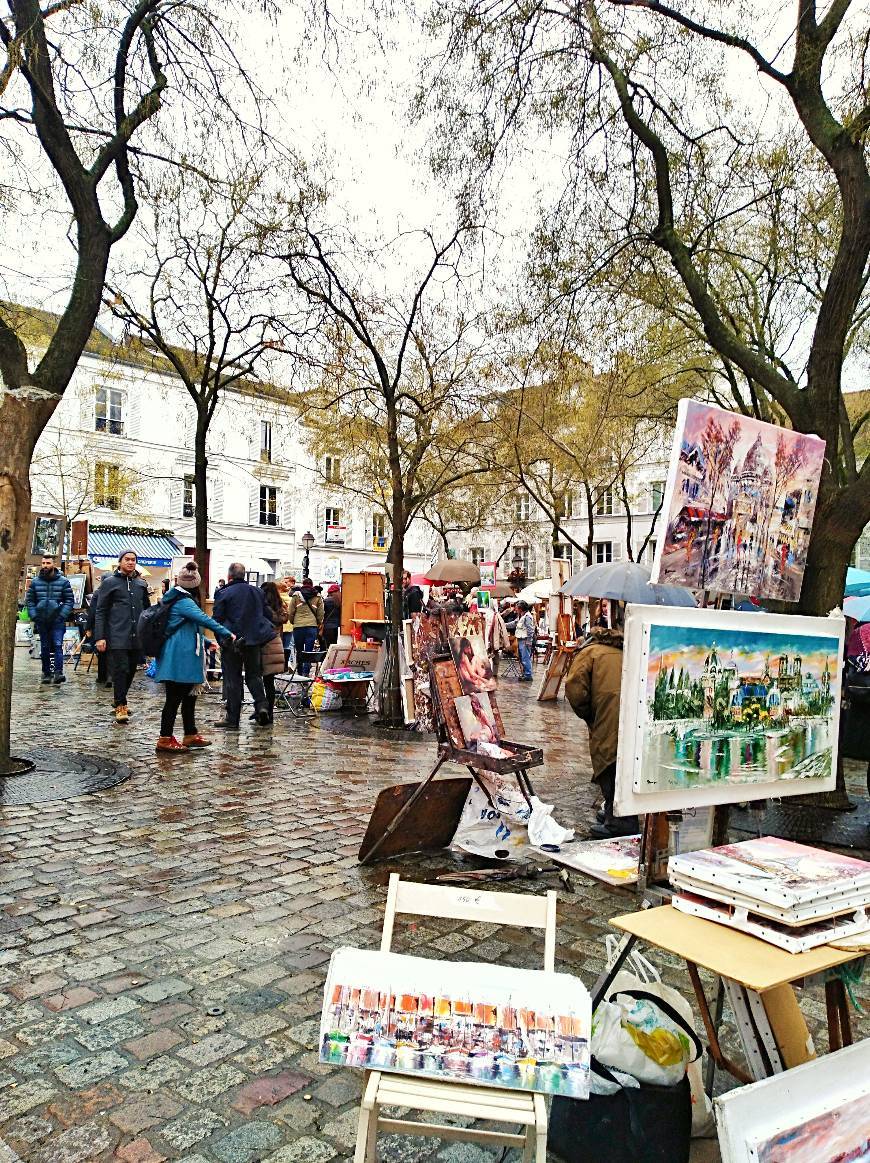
(180, 665)
(123, 597)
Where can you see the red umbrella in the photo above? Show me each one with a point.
(419, 579)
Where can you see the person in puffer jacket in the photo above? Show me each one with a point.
(49, 603)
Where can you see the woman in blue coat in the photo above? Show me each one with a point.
(180, 665)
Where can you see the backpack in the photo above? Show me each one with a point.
(152, 629)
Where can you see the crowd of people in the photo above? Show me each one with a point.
(260, 630)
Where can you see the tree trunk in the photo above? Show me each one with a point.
(836, 528)
(391, 714)
(835, 532)
(23, 415)
(200, 494)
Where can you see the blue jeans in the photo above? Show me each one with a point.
(524, 648)
(51, 646)
(304, 638)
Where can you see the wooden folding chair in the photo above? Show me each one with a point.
(514, 1107)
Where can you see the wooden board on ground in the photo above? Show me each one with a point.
(428, 826)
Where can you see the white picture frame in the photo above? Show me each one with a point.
(648, 779)
(749, 1119)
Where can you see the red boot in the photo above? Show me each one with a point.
(195, 741)
(170, 743)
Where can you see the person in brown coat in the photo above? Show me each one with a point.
(273, 656)
(593, 690)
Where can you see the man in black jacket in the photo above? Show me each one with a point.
(239, 606)
(123, 597)
(49, 603)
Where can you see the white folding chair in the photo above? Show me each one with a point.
(514, 1107)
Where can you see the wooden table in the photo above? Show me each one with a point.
(757, 977)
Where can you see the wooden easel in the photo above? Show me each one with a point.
(446, 688)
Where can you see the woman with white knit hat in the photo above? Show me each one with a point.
(180, 666)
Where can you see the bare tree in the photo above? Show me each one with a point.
(395, 378)
(683, 195)
(203, 300)
(81, 83)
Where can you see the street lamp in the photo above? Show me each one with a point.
(517, 560)
(307, 542)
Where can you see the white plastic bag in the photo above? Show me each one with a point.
(484, 831)
(647, 978)
(543, 829)
(635, 1034)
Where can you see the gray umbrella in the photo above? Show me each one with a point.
(624, 581)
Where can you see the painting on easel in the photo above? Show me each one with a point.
(723, 706)
(473, 664)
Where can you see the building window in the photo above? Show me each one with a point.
(107, 486)
(476, 553)
(522, 507)
(568, 505)
(332, 470)
(269, 505)
(334, 531)
(564, 551)
(188, 504)
(379, 531)
(109, 411)
(602, 551)
(651, 551)
(266, 441)
(604, 504)
(529, 566)
(657, 488)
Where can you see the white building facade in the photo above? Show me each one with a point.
(118, 452)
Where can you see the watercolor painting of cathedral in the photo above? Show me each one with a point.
(739, 504)
(740, 706)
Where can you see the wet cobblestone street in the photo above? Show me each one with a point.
(164, 942)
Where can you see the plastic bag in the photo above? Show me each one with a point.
(324, 697)
(484, 831)
(543, 829)
(641, 1035)
(646, 977)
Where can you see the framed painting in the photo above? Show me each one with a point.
(78, 582)
(47, 535)
(522, 1029)
(487, 572)
(473, 664)
(818, 1112)
(477, 720)
(720, 706)
(739, 504)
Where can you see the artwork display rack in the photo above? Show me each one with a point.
(446, 688)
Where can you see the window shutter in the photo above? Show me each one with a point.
(132, 425)
(217, 502)
(254, 506)
(86, 408)
(286, 509)
(617, 551)
(176, 498)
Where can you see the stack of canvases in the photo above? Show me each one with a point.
(785, 893)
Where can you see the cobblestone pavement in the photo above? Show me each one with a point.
(165, 941)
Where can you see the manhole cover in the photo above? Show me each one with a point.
(60, 775)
